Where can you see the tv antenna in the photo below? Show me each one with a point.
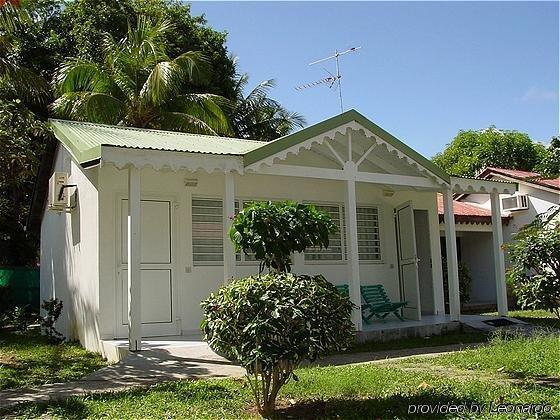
(332, 79)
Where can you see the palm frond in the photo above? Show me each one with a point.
(79, 75)
(12, 18)
(89, 106)
(180, 121)
(206, 107)
(195, 66)
(29, 86)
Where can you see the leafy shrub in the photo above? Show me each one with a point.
(53, 308)
(273, 231)
(19, 318)
(269, 324)
(535, 263)
(465, 281)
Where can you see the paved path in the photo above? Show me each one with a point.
(149, 367)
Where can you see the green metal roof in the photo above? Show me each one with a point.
(290, 140)
(84, 140)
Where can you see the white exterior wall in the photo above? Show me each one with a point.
(194, 283)
(69, 258)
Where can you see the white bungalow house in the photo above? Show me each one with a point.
(473, 224)
(142, 237)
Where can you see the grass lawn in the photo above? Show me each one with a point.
(28, 360)
(509, 370)
(537, 317)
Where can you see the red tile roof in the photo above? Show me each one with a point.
(532, 177)
(467, 213)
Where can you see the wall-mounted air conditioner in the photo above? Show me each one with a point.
(515, 202)
(62, 196)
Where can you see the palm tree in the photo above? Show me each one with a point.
(25, 84)
(139, 85)
(258, 117)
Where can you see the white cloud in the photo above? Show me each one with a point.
(538, 95)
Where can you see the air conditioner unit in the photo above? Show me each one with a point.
(515, 202)
(62, 196)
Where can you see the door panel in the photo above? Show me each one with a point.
(155, 247)
(156, 293)
(156, 269)
(408, 261)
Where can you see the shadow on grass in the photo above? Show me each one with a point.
(396, 406)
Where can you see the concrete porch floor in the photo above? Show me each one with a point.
(195, 348)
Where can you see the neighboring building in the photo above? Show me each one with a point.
(146, 238)
(473, 223)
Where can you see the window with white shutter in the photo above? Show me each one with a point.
(207, 231)
(369, 245)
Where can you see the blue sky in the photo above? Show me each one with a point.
(425, 70)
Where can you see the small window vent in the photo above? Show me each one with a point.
(516, 202)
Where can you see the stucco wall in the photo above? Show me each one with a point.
(193, 283)
(69, 262)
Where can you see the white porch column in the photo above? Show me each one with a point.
(229, 210)
(352, 252)
(499, 264)
(134, 261)
(451, 251)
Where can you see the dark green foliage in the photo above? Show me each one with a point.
(465, 281)
(269, 324)
(53, 308)
(22, 138)
(471, 151)
(550, 163)
(273, 231)
(84, 22)
(534, 254)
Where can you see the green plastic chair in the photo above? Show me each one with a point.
(378, 303)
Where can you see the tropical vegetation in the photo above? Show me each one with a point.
(138, 85)
(471, 151)
(534, 272)
(131, 62)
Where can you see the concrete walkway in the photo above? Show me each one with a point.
(149, 367)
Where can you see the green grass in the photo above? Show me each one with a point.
(381, 390)
(537, 317)
(537, 356)
(29, 360)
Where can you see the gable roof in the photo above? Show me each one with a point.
(84, 140)
(276, 146)
(527, 176)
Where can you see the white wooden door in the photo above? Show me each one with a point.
(408, 260)
(157, 269)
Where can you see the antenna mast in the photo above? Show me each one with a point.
(333, 78)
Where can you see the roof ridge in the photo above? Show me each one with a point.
(128, 128)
